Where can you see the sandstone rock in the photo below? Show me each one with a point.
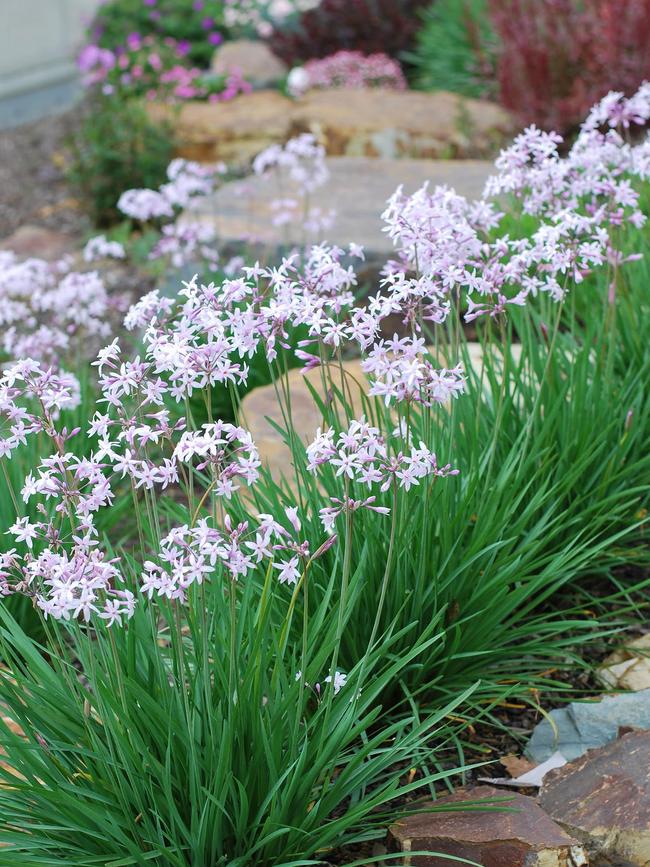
(234, 131)
(38, 242)
(254, 60)
(629, 667)
(373, 123)
(384, 123)
(520, 836)
(583, 726)
(603, 798)
(357, 190)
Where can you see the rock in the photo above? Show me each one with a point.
(36, 242)
(254, 60)
(582, 726)
(372, 123)
(389, 124)
(357, 189)
(628, 667)
(520, 836)
(234, 131)
(603, 798)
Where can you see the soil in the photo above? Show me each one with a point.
(32, 181)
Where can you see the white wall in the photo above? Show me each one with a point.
(39, 40)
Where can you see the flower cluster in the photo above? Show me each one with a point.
(361, 455)
(251, 16)
(49, 312)
(99, 247)
(301, 162)
(581, 198)
(70, 576)
(27, 384)
(186, 181)
(403, 372)
(155, 69)
(227, 450)
(188, 554)
(347, 69)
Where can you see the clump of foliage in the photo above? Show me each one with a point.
(155, 69)
(557, 57)
(196, 24)
(455, 49)
(368, 26)
(117, 147)
(239, 670)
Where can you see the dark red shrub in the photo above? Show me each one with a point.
(558, 57)
(369, 26)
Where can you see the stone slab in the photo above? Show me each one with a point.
(252, 59)
(37, 242)
(234, 131)
(583, 726)
(348, 122)
(514, 833)
(393, 124)
(629, 666)
(603, 798)
(357, 190)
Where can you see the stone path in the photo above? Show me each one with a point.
(357, 189)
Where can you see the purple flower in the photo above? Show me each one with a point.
(134, 41)
(198, 5)
(215, 38)
(207, 23)
(150, 2)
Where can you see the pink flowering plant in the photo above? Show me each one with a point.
(155, 69)
(347, 69)
(240, 666)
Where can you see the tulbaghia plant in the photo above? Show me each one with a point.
(217, 662)
(211, 588)
(180, 242)
(52, 313)
(298, 169)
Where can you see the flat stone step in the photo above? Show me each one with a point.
(514, 832)
(603, 799)
(357, 190)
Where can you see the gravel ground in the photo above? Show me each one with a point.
(33, 188)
